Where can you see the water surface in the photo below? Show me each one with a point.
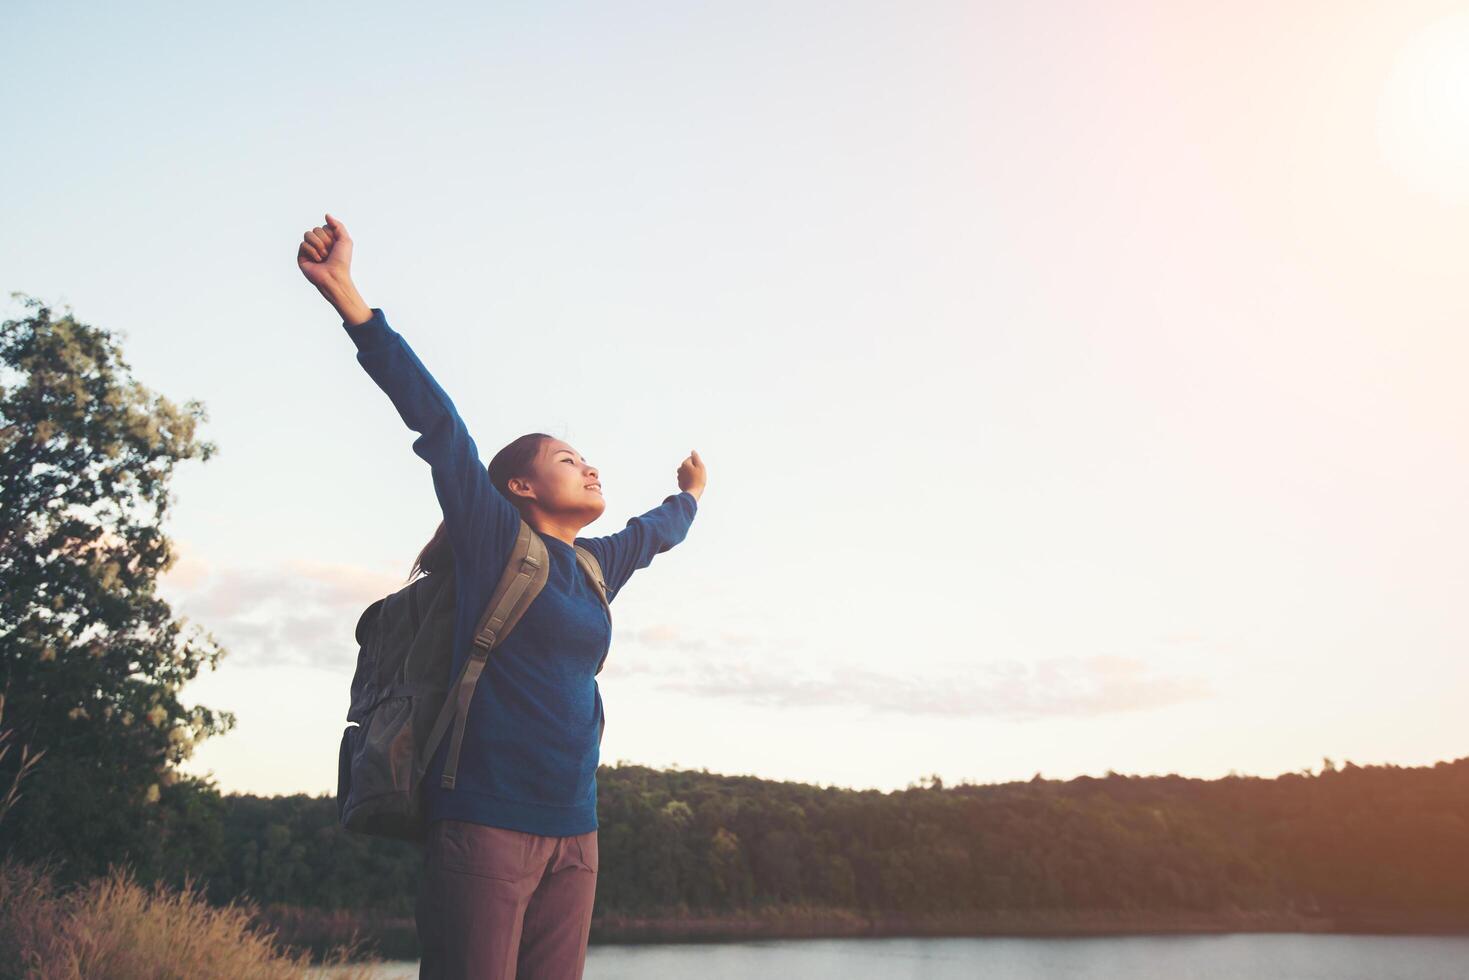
(1234, 956)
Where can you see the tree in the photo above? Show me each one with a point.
(91, 658)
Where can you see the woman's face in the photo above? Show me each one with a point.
(564, 482)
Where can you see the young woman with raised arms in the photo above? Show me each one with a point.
(511, 854)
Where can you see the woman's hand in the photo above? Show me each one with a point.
(691, 474)
(325, 259)
(325, 255)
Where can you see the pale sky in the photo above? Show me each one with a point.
(1080, 384)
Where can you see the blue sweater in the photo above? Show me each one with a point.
(531, 740)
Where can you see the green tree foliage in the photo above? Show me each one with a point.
(1377, 844)
(91, 658)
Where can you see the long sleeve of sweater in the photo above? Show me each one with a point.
(475, 513)
(645, 536)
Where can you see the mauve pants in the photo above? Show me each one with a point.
(500, 904)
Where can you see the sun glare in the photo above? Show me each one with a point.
(1423, 114)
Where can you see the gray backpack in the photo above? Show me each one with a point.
(401, 704)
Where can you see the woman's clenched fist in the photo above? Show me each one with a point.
(325, 259)
(692, 475)
(325, 255)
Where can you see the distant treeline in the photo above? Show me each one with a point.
(1345, 842)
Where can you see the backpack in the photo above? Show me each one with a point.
(403, 699)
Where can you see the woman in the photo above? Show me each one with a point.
(510, 862)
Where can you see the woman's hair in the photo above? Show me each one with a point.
(512, 461)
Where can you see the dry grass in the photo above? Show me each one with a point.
(113, 928)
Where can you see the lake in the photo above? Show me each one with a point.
(1231, 956)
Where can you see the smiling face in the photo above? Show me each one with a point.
(562, 482)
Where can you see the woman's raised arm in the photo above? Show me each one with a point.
(481, 523)
(652, 533)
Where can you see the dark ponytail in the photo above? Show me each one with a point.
(514, 460)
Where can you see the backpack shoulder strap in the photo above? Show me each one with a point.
(524, 576)
(593, 570)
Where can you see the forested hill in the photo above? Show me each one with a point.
(1346, 842)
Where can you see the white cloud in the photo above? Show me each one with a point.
(301, 613)
(1013, 689)
(304, 614)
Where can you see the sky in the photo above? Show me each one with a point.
(1080, 384)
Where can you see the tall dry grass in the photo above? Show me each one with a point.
(113, 929)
